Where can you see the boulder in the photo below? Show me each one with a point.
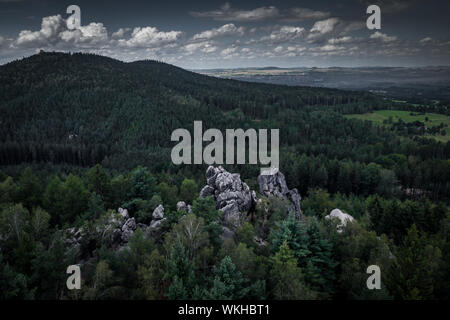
(343, 217)
(275, 185)
(182, 206)
(158, 213)
(233, 196)
(128, 229)
(155, 224)
(123, 213)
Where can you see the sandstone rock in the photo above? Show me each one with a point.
(158, 213)
(123, 213)
(343, 217)
(128, 229)
(233, 197)
(207, 191)
(155, 224)
(275, 185)
(182, 206)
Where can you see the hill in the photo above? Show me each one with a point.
(81, 108)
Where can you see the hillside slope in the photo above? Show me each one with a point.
(59, 106)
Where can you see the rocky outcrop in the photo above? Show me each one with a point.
(157, 217)
(158, 213)
(116, 230)
(128, 229)
(275, 185)
(343, 218)
(182, 206)
(233, 196)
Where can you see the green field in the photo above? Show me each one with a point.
(430, 119)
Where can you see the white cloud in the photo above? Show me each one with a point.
(225, 30)
(150, 36)
(93, 33)
(284, 34)
(346, 39)
(228, 51)
(205, 47)
(330, 47)
(54, 33)
(50, 28)
(383, 37)
(278, 49)
(426, 40)
(120, 33)
(325, 26)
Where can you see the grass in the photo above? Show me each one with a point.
(430, 120)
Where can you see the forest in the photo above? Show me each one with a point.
(83, 135)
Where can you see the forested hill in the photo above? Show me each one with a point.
(81, 108)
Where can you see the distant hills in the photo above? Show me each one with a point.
(81, 108)
(417, 83)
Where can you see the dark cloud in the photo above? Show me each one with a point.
(227, 13)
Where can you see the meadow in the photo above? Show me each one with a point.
(429, 119)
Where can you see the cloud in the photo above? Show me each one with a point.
(51, 27)
(120, 33)
(54, 33)
(225, 30)
(426, 40)
(383, 37)
(226, 13)
(325, 26)
(230, 52)
(93, 33)
(284, 34)
(302, 14)
(346, 39)
(150, 36)
(205, 47)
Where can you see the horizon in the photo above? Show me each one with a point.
(226, 34)
(234, 68)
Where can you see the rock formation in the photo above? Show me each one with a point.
(182, 206)
(157, 217)
(233, 197)
(117, 229)
(275, 185)
(342, 216)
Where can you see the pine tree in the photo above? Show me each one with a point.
(286, 277)
(411, 277)
(180, 272)
(227, 282)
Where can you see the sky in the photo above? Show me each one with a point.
(220, 34)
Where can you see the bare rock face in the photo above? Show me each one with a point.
(275, 185)
(157, 217)
(123, 213)
(128, 229)
(182, 206)
(233, 197)
(343, 217)
(158, 213)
